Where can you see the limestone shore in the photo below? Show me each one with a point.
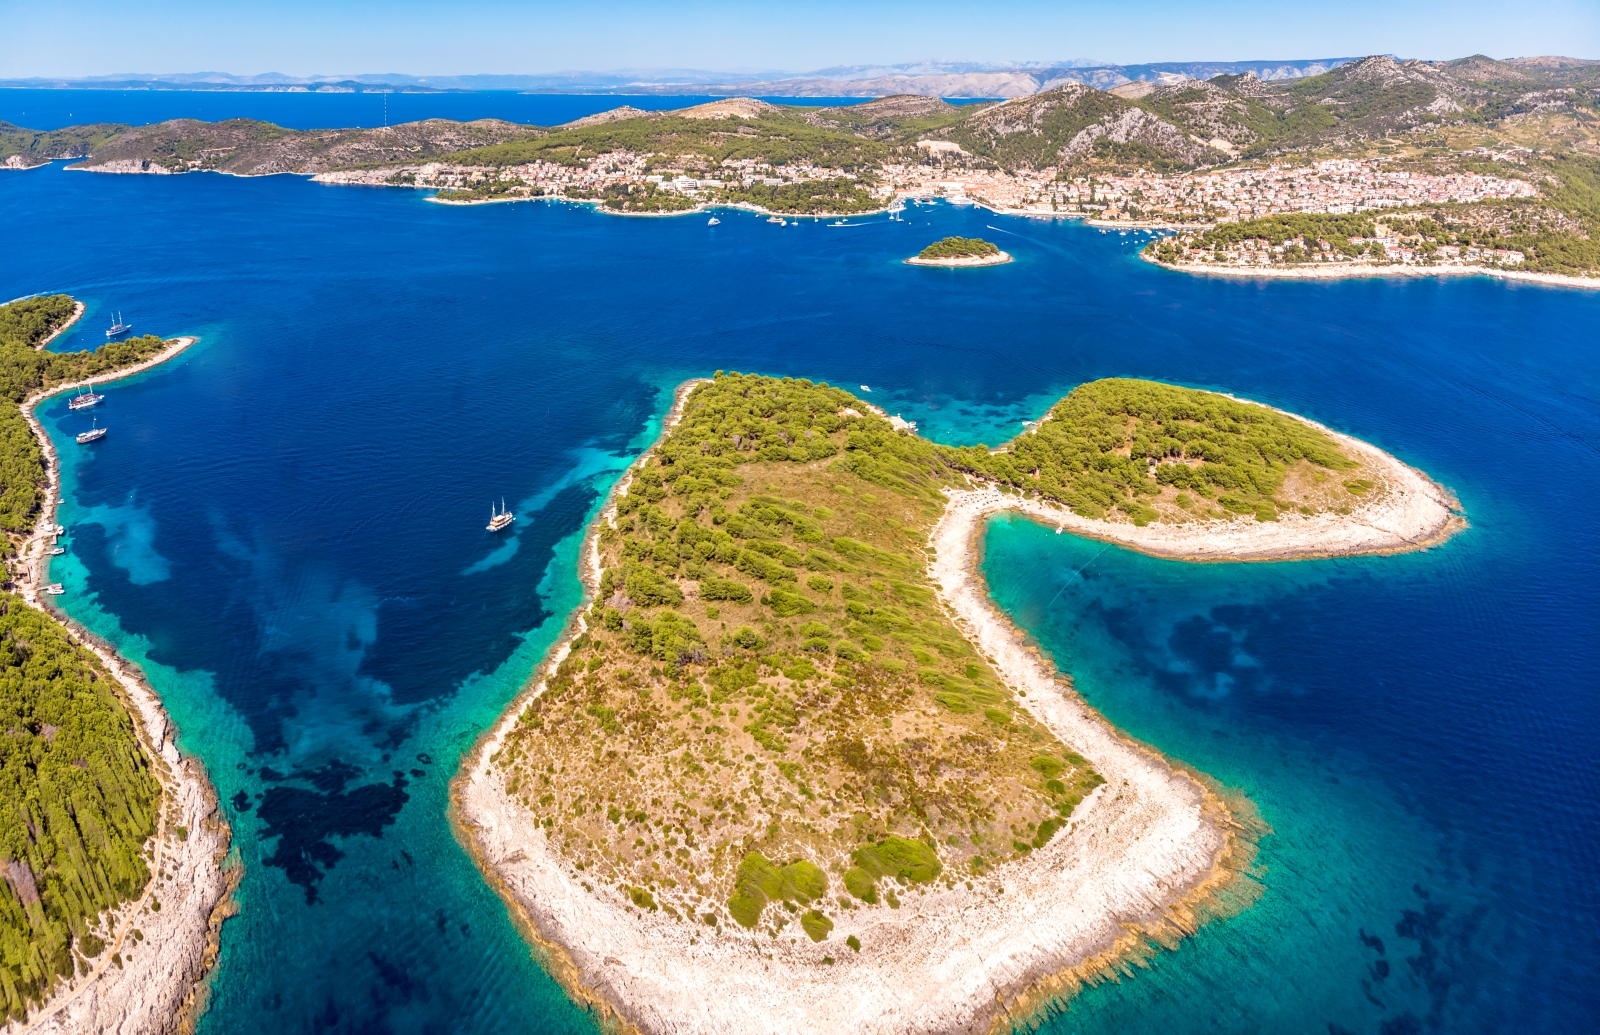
(146, 985)
(1346, 271)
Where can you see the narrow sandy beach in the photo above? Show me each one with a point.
(154, 987)
(1144, 856)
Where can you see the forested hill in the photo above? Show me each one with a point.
(77, 803)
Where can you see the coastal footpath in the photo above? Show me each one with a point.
(619, 875)
(138, 966)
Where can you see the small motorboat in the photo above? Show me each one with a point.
(58, 551)
(55, 589)
(713, 221)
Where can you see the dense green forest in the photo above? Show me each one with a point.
(24, 369)
(959, 248)
(77, 803)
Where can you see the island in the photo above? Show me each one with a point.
(112, 842)
(1499, 155)
(789, 761)
(960, 251)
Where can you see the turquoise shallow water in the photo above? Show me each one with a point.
(285, 527)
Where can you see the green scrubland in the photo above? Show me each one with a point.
(770, 720)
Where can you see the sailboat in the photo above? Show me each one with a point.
(84, 399)
(118, 328)
(499, 519)
(93, 434)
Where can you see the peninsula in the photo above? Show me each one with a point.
(114, 891)
(790, 770)
(960, 251)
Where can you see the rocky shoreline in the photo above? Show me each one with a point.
(149, 983)
(997, 259)
(1349, 271)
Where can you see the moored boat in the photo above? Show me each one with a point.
(55, 589)
(83, 400)
(499, 519)
(118, 328)
(94, 434)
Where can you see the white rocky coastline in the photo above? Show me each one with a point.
(965, 262)
(144, 984)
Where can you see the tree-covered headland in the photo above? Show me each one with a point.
(770, 719)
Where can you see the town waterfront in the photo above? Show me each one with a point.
(285, 527)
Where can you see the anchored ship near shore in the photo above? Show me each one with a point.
(84, 400)
(118, 328)
(500, 519)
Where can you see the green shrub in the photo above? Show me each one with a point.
(786, 604)
(816, 925)
(854, 943)
(712, 588)
(748, 638)
(849, 651)
(642, 898)
(648, 588)
(899, 857)
(759, 881)
(861, 884)
(1049, 767)
(820, 584)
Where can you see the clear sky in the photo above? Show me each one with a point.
(436, 37)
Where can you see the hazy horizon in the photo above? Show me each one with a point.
(302, 39)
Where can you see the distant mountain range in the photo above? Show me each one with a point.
(925, 78)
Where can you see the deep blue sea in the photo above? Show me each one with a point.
(285, 527)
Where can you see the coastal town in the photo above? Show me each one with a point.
(1185, 200)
